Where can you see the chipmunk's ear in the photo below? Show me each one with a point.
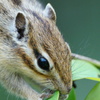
(50, 12)
(20, 24)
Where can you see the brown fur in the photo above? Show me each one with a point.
(41, 36)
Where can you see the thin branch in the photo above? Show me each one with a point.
(92, 61)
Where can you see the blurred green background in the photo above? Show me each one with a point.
(79, 22)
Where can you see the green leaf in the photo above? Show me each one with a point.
(72, 95)
(94, 93)
(55, 96)
(83, 69)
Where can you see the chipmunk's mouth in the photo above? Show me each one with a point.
(46, 93)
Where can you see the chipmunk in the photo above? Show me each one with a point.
(31, 47)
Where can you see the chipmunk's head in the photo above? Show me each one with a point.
(42, 54)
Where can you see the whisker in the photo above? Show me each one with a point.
(86, 43)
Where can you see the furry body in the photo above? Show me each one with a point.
(27, 31)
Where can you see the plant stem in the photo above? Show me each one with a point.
(92, 61)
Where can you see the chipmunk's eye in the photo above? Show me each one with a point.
(43, 63)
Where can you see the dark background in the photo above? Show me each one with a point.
(79, 22)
